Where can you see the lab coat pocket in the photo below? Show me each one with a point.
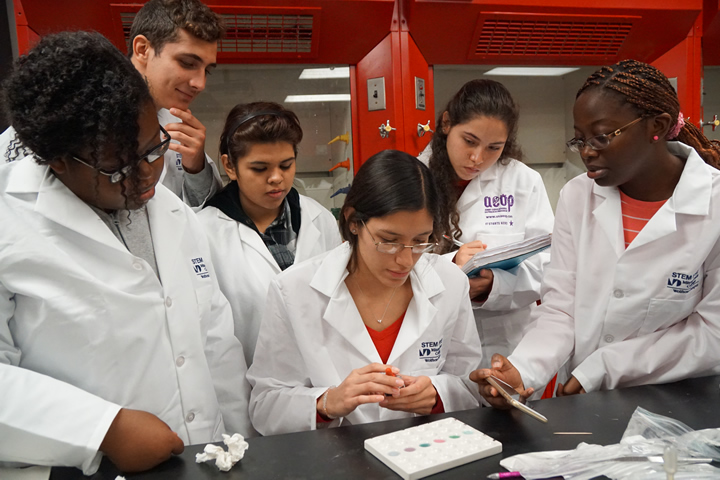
(663, 313)
(204, 296)
(498, 240)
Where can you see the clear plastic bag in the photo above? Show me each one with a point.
(647, 435)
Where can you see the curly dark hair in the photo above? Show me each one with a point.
(75, 92)
(245, 128)
(389, 182)
(650, 93)
(160, 20)
(476, 98)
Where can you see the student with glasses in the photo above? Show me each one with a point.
(632, 293)
(114, 336)
(492, 199)
(375, 329)
(173, 44)
(260, 224)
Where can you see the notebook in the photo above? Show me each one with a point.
(508, 256)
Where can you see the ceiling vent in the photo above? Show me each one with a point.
(253, 32)
(544, 38)
(274, 34)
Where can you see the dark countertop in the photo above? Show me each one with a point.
(339, 452)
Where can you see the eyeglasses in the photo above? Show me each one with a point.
(598, 142)
(393, 248)
(150, 156)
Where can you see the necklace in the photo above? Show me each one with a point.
(366, 298)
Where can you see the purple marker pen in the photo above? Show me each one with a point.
(496, 476)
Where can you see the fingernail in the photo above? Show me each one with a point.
(400, 382)
(496, 365)
(395, 370)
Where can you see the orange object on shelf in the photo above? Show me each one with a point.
(343, 164)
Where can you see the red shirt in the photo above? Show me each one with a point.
(636, 214)
(384, 341)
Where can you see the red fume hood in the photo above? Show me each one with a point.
(259, 31)
(551, 32)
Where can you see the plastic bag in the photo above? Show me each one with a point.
(647, 434)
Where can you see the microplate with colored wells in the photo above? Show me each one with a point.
(417, 452)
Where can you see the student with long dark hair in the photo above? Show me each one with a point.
(344, 331)
(492, 199)
(114, 336)
(631, 295)
(260, 224)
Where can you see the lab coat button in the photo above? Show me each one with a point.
(609, 338)
(180, 361)
(168, 302)
(137, 266)
(190, 417)
(618, 293)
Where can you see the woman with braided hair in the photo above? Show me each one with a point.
(631, 295)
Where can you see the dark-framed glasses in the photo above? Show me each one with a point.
(598, 142)
(393, 248)
(117, 176)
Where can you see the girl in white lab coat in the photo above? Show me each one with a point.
(259, 225)
(632, 292)
(114, 336)
(494, 199)
(375, 329)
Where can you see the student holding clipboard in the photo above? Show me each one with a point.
(493, 199)
(632, 294)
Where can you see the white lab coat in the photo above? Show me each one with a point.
(87, 328)
(245, 267)
(646, 314)
(172, 175)
(312, 337)
(505, 204)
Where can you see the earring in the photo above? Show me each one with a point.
(656, 138)
(354, 232)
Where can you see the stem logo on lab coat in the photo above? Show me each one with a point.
(199, 267)
(430, 351)
(683, 283)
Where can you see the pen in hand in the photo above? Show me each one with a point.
(454, 240)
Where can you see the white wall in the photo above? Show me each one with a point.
(321, 122)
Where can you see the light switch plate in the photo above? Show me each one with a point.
(376, 93)
(419, 93)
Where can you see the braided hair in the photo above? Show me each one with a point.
(650, 92)
(479, 97)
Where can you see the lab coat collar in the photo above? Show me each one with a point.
(473, 192)
(164, 211)
(310, 234)
(691, 196)
(693, 192)
(250, 237)
(58, 203)
(343, 315)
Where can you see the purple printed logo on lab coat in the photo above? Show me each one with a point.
(499, 203)
(498, 210)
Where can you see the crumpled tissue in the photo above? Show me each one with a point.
(224, 460)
